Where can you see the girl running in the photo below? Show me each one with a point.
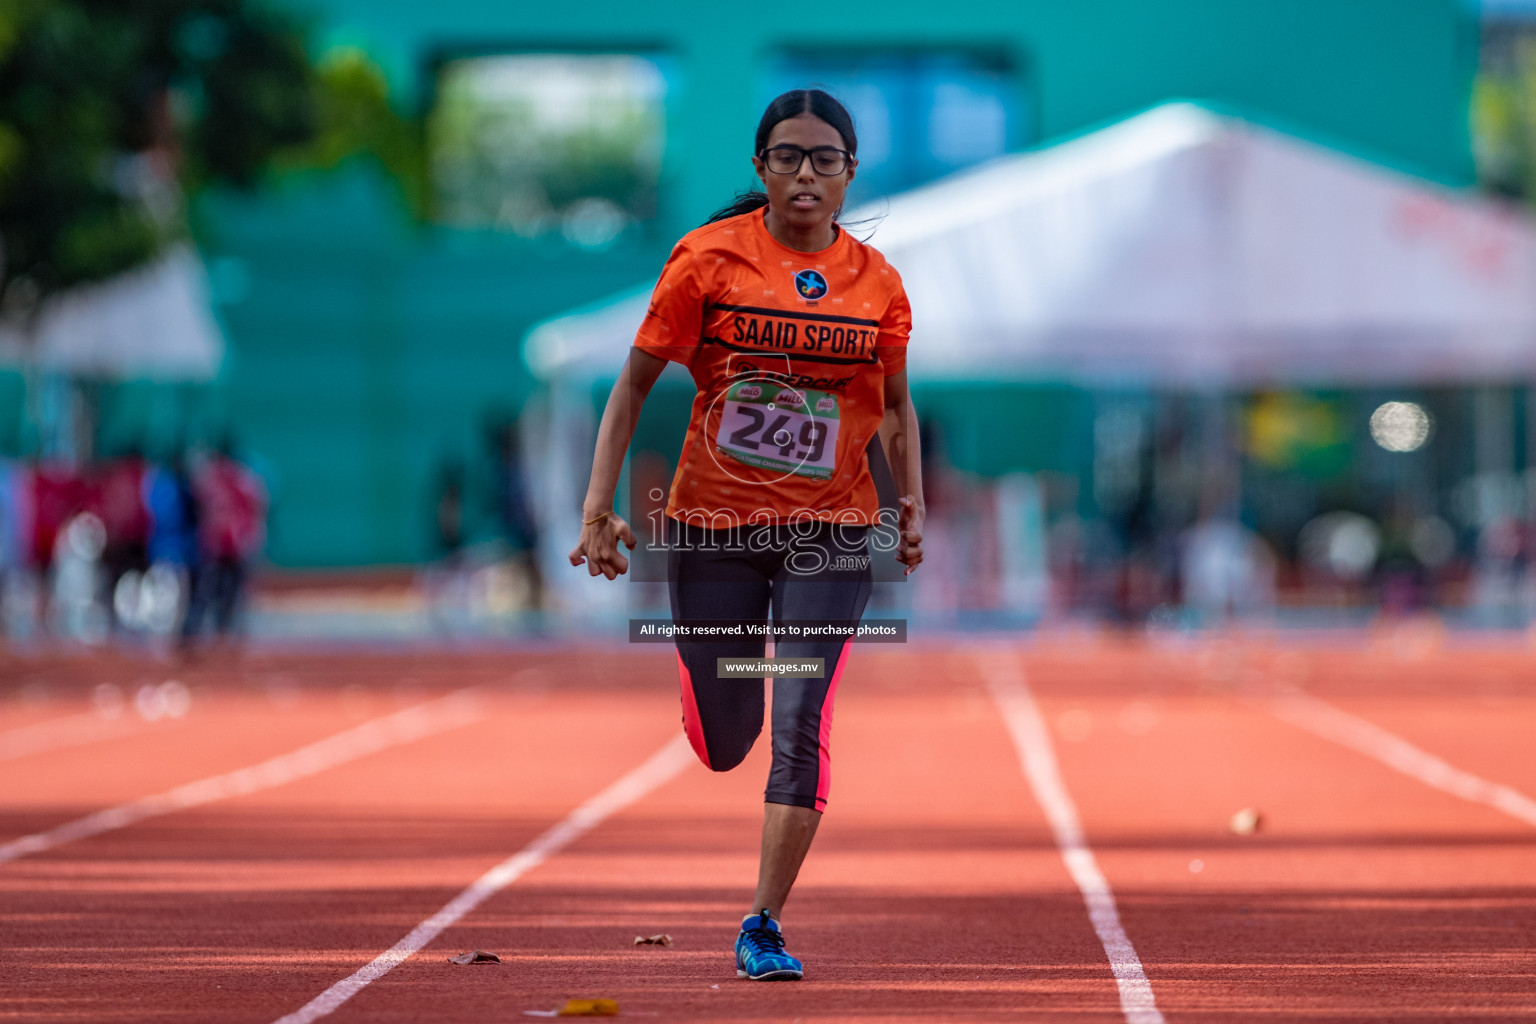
(795, 334)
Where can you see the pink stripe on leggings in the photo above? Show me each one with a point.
(692, 727)
(824, 774)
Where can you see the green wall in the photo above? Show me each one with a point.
(366, 346)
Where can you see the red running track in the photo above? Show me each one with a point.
(936, 890)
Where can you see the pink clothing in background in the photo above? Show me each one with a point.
(233, 510)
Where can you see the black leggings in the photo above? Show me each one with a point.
(807, 573)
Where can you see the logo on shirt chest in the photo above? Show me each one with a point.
(809, 284)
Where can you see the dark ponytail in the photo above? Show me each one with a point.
(746, 201)
(788, 105)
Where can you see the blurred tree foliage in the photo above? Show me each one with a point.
(354, 118)
(1504, 113)
(104, 104)
(531, 143)
(111, 110)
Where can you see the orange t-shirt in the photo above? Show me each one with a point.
(789, 351)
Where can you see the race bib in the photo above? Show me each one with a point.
(780, 428)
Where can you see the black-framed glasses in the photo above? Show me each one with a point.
(825, 160)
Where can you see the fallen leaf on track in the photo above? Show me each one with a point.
(589, 1008)
(1247, 821)
(479, 956)
(653, 940)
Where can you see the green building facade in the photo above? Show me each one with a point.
(370, 344)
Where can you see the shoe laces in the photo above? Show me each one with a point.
(764, 939)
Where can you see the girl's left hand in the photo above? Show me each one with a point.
(909, 524)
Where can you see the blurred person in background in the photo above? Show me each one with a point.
(57, 495)
(232, 521)
(119, 499)
(1226, 571)
(173, 533)
(1140, 584)
(1500, 566)
(512, 507)
(1402, 577)
(448, 514)
(443, 580)
(15, 533)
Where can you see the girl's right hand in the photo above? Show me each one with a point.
(599, 546)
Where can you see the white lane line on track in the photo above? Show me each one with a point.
(1323, 719)
(413, 723)
(650, 774)
(69, 731)
(1032, 739)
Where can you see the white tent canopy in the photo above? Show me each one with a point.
(154, 322)
(1180, 247)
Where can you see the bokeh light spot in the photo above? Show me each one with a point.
(1400, 426)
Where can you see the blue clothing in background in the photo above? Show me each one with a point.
(13, 546)
(174, 510)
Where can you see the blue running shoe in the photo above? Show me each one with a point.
(760, 951)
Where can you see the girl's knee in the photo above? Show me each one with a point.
(731, 753)
(721, 753)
